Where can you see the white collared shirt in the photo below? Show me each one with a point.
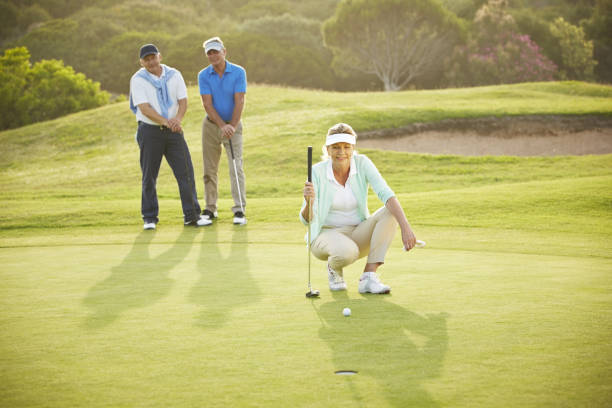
(343, 211)
(142, 91)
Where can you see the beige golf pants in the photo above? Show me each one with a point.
(341, 246)
(212, 139)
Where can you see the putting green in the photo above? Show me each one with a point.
(217, 316)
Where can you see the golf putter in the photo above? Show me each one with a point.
(236, 175)
(311, 293)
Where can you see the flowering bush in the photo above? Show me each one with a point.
(498, 56)
(517, 59)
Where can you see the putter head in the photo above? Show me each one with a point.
(312, 293)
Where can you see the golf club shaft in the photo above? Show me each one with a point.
(309, 212)
(236, 175)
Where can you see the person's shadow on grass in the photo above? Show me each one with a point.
(391, 345)
(225, 282)
(138, 281)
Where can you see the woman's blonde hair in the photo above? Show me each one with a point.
(341, 128)
(334, 130)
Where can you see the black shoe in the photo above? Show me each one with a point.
(209, 215)
(239, 218)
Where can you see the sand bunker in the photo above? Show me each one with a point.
(514, 136)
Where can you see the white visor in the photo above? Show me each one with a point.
(340, 138)
(213, 45)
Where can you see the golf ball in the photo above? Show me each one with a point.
(346, 311)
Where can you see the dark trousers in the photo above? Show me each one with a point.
(156, 142)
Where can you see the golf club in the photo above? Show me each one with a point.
(311, 293)
(236, 175)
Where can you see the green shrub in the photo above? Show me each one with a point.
(47, 90)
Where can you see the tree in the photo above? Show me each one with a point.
(47, 90)
(599, 29)
(14, 66)
(576, 51)
(277, 61)
(118, 58)
(8, 18)
(396, 40)
(54, 39)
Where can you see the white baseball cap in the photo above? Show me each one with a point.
(213, 45)
(340, 138)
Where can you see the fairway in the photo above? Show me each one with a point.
(508, 305)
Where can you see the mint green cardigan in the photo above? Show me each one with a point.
(367, 174)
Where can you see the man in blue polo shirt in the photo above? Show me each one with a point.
(223, 89)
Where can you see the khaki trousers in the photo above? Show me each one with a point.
(212, 139)
(341, 246)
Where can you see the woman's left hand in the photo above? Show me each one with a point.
(408, 238)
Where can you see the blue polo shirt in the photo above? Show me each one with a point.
(223, 89)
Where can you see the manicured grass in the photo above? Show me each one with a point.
(510, 304)
(218, 317)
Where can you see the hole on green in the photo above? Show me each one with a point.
(345, 372)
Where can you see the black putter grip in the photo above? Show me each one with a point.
(309, 163)
(231, 148)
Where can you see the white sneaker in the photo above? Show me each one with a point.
(203, 222)
(149, 226)
(200, 222)
(239, 218)
(369, 283)
(336, 281)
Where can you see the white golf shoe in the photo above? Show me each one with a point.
(369, 283)
(200, 222)
(239, 218)
(336, 281)
(149, 226)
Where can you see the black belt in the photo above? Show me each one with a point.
(160, 127)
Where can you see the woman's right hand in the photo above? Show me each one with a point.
(309, 193)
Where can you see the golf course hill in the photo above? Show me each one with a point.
(83, 168)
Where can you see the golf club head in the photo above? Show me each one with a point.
(312, 293)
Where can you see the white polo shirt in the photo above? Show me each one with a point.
(343, 211)
(142, 91)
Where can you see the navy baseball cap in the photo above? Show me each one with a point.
(148, 49)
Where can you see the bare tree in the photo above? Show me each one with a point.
(396, 40)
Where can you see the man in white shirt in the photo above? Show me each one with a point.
(158, 98)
